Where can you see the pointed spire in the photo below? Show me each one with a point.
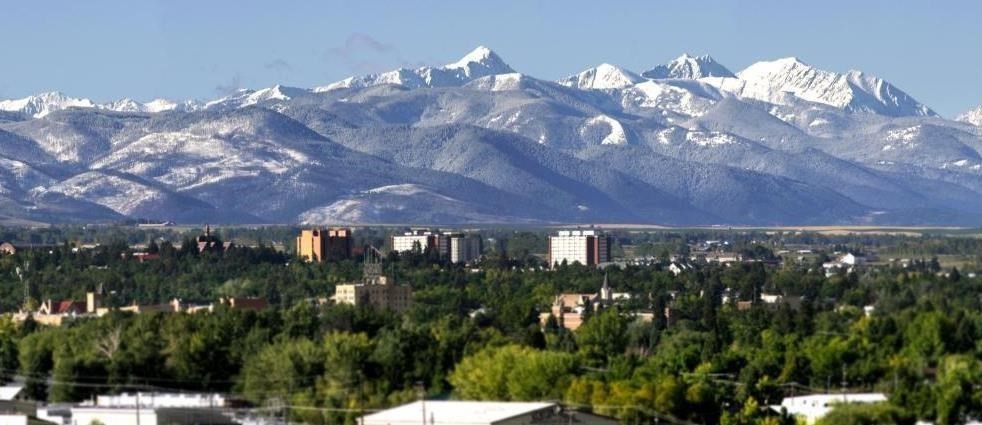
(606, 295)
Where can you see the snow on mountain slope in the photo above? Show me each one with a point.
(401, 77)
(387, 205)
(123, 105)
(24, 149)
(153, 106)
(122, 195)
(973, 116)
(18, 177)
(475, 141)
(774, 81)
(729, 191)
(683, 98)
(75, 136)
(603, 76)
(480, 62)
(43, 104)
(249, 97)
(609, 130)
(500, 82)
(209, 150)
(689, 68)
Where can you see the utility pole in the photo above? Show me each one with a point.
(286, 406)
(137, 407)
(27, 284)
(844, 383)
(422, 398)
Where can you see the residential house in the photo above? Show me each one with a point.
(847, 261)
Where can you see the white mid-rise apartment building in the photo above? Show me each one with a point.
(458, 247)
(422, 240)
(587, 247)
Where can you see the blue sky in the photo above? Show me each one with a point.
(197, 49)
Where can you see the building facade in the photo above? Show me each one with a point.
(811, 408)
(569, 309)
(144, 409)
(465, 248)
(375, 290)
(587, 247)
(460, 412)
(421, 240)
(381, 295)
(319, 245)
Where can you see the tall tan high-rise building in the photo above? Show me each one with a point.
(319, 245)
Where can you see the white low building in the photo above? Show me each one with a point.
(147, 400)
(846, 261)
(143, 409)
(153, 416)
(678, 268)
(13, 419)
(11, 392)
(813, 407)
(482, 413)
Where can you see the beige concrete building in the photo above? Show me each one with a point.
(380, 295)
(319, 245)
(375, 290)
(569, 309)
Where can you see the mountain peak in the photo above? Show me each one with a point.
(689, 67)
(973, 116)
(480, 62)
(790, 60)
(603, 76)
(43, 104)
(785, 65)
(479, 54)
(772, 81)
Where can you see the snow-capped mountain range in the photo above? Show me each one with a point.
(475, 141)
(689, 68)
(973, 116)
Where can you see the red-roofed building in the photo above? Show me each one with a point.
(62, 307)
